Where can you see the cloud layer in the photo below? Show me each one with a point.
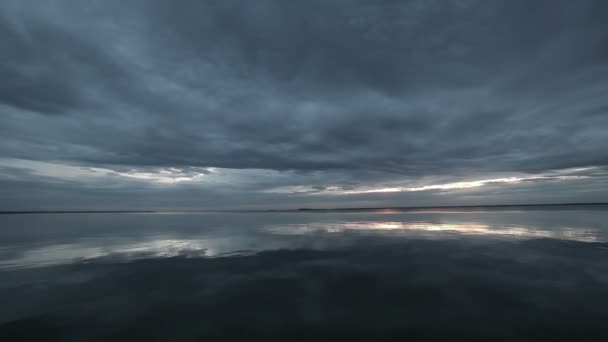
(346, 94)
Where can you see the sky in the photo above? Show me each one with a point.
(153, 104)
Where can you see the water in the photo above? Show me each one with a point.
(515, 273)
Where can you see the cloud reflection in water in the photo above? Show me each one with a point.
(539, 275)
(441, 230)
(218, 235)
(83, 251)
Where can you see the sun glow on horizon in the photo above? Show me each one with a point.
(461, 185)
(445, 186)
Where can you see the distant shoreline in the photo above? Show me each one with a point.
(300, 210)
(77, 212)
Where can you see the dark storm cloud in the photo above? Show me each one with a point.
(407, 88)
(48, 70)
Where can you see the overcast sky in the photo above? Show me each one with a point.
(286, 104)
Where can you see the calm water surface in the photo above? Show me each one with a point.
(33, 240)
(505, 274)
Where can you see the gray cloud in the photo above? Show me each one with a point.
(326, 92)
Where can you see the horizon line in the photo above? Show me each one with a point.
(9, 212)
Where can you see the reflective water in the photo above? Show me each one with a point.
(47, 239)
(442, 274)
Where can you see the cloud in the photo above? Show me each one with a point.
(339, 93)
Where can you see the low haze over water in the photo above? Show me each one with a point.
(507, 272)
